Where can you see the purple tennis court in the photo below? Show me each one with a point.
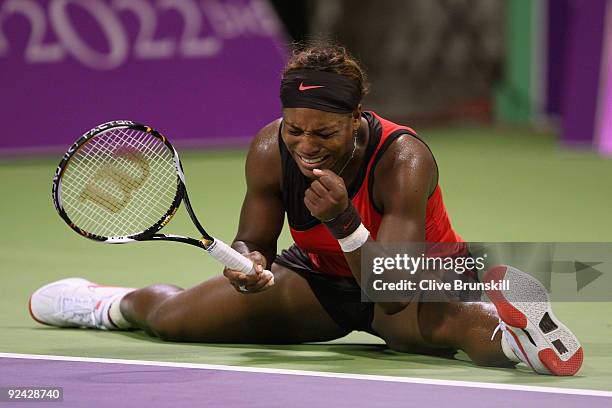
(117, 383)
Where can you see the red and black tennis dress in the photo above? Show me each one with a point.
(316, 254)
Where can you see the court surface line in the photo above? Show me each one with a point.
(366, 377)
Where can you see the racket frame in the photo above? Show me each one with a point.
(215, 247)
(151, 232)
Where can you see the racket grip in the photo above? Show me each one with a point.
(229, 257)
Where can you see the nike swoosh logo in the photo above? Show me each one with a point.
(304, 88)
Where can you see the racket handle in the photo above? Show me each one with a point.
(231, 258)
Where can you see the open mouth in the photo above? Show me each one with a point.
(314, 162)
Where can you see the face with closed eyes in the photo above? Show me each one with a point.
(318, 139)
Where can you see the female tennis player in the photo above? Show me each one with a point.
(343, 177)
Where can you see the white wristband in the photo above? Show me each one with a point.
(355, 240)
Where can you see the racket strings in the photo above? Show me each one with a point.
(94, 157)
(111, 173)
(120, 183)
(111, 186)
(104, 190)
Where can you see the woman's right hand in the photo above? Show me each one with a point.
(251, 283)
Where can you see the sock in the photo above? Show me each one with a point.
(112, 317)
(507, 348)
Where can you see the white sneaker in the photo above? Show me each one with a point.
(74, 302)
(529, 326)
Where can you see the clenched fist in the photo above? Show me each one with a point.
(326, 197)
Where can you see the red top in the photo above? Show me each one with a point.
(323, 249)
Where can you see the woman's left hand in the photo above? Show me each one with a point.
(326, 198)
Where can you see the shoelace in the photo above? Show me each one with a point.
(500, 326)
(80, 311)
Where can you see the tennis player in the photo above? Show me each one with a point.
(342, 176)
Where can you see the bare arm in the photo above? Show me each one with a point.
(262, 214)
(404, 179)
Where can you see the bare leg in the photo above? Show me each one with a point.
(214, 312)
(425, 327)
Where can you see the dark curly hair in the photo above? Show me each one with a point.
(330, 57)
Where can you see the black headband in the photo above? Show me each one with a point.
(321, 90)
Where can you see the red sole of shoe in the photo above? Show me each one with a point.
(559, 367)
(508, 313)
(514, 317)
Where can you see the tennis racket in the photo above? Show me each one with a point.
(122, 182)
